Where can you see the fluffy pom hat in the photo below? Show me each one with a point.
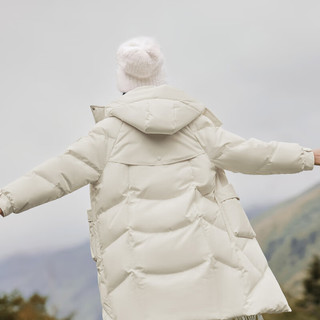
(140, 63)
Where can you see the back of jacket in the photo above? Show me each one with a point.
(168, 233)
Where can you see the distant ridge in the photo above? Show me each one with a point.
(67, 276)
(289, 234)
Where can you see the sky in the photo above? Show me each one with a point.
(255, 64)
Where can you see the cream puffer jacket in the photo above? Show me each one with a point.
(168, 233)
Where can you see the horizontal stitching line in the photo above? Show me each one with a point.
(46, 179)
(85, 161)
(157, 164)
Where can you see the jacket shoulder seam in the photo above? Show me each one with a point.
(115, 141)
(194, 132)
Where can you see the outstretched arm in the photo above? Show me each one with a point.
(81, 164)
(252, 156)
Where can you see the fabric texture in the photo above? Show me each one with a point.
(168, 233)
(140, 62)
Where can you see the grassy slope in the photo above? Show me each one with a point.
(289, 234)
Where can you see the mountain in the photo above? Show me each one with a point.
(255, 210)
(289, 234)
(67, 276)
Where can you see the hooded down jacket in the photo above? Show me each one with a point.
(168, 234)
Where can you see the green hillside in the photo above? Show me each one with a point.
(289, 234)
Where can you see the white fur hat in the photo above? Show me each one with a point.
(140, 63)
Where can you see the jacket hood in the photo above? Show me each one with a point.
(160, 109)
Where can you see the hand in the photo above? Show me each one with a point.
(316, 153)
(1, 212)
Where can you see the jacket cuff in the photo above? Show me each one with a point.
(308, 158)
(5, 204)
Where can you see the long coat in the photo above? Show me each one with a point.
(168, 233)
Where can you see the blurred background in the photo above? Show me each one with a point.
(255, 64)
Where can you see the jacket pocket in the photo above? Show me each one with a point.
(234, 213)
(93, 235)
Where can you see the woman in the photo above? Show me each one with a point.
(168, 233)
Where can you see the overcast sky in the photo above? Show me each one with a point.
(254, 63)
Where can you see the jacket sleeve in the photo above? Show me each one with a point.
(81, 163)
(251, 156)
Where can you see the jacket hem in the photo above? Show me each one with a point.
(250, 317)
